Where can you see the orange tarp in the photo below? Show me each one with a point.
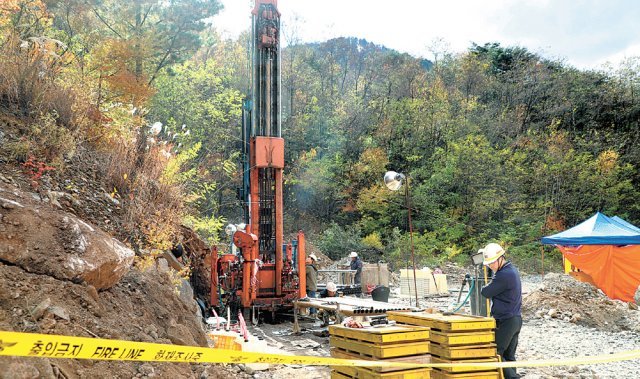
(614, 269)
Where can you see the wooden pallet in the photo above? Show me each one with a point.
(380, 351)
(463, 338)
(437, 374)
(338, 375)
(420, 359)
(463, 351)
(363, 373)
(464, 369)
(438, 321)
(383, 335)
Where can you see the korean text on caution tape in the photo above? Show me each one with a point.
(57, 346)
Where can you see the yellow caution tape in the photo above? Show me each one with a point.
(57, 346)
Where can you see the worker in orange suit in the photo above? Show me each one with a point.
(505, 292)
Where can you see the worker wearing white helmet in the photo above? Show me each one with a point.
(356, 264)
(330, 291)
(505, 292)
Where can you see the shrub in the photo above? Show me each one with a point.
(154, 208)
(336, 241)
(29, 73)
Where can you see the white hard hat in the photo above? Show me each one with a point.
(331, 287)
(491, 253)
(353, 254)
(313, 256)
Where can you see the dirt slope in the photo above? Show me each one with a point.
(37, 294)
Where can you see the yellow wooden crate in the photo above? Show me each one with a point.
(437, 374)
(380, 351)
(225, 341)
(338, 375)
(478, 337)
(420, 359)
(464, 368)
(463, 351)
(365, 373)
(455, 322)
(382, 335)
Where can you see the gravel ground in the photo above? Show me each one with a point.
(550, 338)
(541, 338)
(557, 339)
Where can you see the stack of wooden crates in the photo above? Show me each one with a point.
(426, 282)
(456, 339)
(401, 343)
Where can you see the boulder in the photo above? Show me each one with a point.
(185, 293)
(637, 296)
(43, 240)
(39, 310)
(19, 368)
(180, 335)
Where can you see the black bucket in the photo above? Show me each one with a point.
(380, 293)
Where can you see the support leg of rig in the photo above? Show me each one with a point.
(296, 326)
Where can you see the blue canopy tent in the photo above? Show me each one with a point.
(597, 230)
(607, 250)
(627, 224)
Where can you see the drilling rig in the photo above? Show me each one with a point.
(266, 274)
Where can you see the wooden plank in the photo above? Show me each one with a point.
(365, 373)
(421, 359)
(382, 335)
(172, 260)
(350, 306)
(437, 374)
(480, 337)
(439, 321)
(382, 351)
(338, 375)
(466, 368)
(464, 351)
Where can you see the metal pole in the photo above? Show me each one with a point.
(486, 279)
(413, 257)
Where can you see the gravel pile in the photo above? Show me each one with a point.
(564, 298)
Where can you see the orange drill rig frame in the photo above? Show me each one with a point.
(266, 274)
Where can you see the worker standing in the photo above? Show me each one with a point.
(312, 279)
(505, 292)
(356, 264)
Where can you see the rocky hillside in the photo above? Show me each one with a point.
(63, 271)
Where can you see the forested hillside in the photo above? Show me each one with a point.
(498, 142)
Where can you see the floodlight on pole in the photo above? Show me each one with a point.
(394, 180)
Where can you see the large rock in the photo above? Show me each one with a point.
(44, 240)
(637, 296)
(180, 335)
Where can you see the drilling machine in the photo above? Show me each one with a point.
(266, 274)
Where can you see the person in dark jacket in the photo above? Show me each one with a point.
(312, 279)
(356, 264)
(330, 291)
(505, 292)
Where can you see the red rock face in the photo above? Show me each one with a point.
(45, 240)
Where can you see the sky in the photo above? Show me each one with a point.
(583, 33)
